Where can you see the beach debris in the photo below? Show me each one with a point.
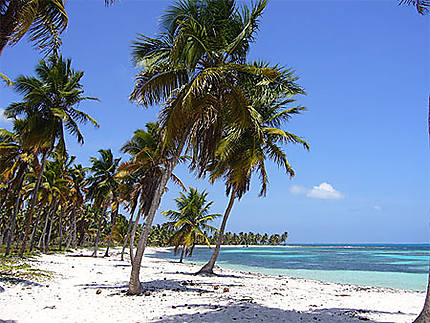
(216, 287)
(147, 293)
(226, 290)
(184, 283)
(1, 289)
(164, 294)
(98, 291)
(50, 307)
(343, 295)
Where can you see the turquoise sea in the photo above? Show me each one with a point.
(393, 266)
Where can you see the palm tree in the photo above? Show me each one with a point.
(422, 6)
(49, 109)
(43, 20)
(14, 163)
(194, 69)
(244, 151)
(78, 182)
(142, 173)
(103, 189)
(190, 220)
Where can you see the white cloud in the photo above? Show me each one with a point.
(3, 118)
(323, 191)
(296, 190)
(377, 208)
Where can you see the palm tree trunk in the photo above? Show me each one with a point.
(133, 233)
(42, 239)
(99, 226)
(113, 220)
(424, 316)
(33, 233)
(60, 227)
(134, 286)
(15, 211)
(32, 205)
(74, 236)
(130, 224)
(209, 267)
(182, 254)
(48, 240)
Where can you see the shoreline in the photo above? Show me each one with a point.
(363, 278)
(176, 295)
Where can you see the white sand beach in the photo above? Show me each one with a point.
(85, 289)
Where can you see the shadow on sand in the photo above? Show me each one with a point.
(251, 312)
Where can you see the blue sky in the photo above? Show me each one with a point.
(366, 68)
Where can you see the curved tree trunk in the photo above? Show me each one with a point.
(134, 286)
(15, 211)
(209, 267)
(130, 225)
(424, 316)
(32, 205)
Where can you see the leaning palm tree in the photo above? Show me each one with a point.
(49, 109)
(190, 221)
(243, 152)
(194, 69)
(141, 174)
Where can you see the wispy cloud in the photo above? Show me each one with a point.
(323, 191)
(3, 118)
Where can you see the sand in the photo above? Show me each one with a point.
(85, 289)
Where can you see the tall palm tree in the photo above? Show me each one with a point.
(244, 151)
(49, 109)
(103, 189)
(194, 68)
(190, 221)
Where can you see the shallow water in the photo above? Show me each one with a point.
(393, 266)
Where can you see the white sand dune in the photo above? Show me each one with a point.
(175, 295)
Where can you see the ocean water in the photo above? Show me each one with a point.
(392, 266)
